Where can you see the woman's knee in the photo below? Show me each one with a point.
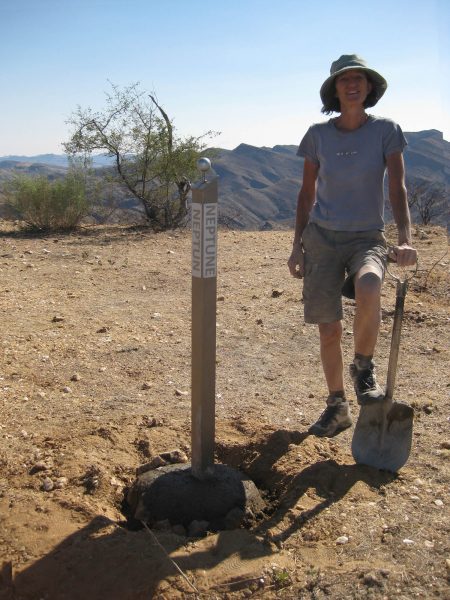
(368, 287)
(330, 333)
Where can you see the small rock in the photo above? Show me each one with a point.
(428, 544)
(234, 518)
(370, 579)
(146, 386)
(445, 445)
(276, 293)
(220, 298)
(439, 503)
(408, 542)
(311, 395)
(57, 319)
(75, 377)
(60, 483)
(91, 479)
(156, 316)
(155, 463)
(259, 321)
(180, 393)
(115, 482)
(151, 421)
(102, 330)
(38, 467)
(343, 539)
(250, 515)
(174, 457)
(143, 469)
(67, 390)
(198, 528)
(47, 485)
(179, 530)
(447, 564)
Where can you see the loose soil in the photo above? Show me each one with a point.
(95, 381)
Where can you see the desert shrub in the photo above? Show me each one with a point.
(48, 205)
(150, 161)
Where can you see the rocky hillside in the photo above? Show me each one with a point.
(258, 186)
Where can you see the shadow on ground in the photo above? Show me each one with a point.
(105, 560)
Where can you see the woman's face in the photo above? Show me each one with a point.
(352, 88)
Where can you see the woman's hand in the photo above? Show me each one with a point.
(296, 262)
(404, 255)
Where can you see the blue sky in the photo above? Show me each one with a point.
(250, 69)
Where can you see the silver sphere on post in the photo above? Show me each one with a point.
(204, 165)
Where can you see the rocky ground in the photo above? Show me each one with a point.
(95, 381)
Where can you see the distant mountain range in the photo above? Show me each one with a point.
(55, 160)
(259, 186)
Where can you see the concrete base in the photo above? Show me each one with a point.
(173, 493)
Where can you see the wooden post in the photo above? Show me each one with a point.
(204, 290)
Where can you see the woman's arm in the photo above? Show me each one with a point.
(405, 254)
(305, 199)
(305, 203)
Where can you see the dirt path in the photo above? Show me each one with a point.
(95, 380)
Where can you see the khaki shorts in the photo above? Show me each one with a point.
(330, 257)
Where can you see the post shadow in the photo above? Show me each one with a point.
(96, 563)
(104, 560)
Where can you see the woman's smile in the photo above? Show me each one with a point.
(352, 86)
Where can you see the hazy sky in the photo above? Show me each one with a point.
(250, 69)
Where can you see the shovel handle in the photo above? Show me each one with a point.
(402, 287)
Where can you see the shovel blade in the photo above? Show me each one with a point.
(383, 435)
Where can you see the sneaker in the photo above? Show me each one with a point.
(334, 419)
(366, 387)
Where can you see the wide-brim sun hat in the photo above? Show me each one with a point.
(348, 62)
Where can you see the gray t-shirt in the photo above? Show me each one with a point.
(352, 166)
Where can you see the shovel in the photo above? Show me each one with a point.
(383, 432)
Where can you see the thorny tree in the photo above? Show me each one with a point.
(151, 162)
(426, 199)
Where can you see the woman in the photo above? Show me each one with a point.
(339, 246)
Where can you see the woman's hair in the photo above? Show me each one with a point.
(333, 104)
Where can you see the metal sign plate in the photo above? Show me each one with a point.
(204, 240)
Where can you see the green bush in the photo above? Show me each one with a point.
(48, 205)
